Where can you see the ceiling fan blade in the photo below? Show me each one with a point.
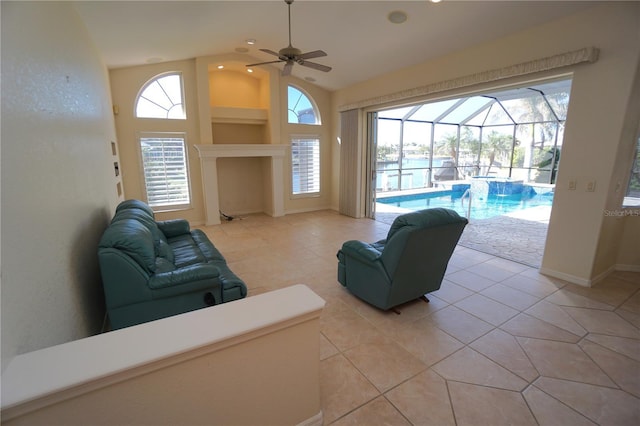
(263, 63)
(287, 68)
(314, 54)
(315, 66)
(270, 52)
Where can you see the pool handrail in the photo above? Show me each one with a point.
(468, 194)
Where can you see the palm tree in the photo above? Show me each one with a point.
(449, 146)
(497, 145)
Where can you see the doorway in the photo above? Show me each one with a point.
(493, 157)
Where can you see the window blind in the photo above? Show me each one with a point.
(305, 165)
(349, 198)
(164, 162)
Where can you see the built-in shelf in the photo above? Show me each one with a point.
(209, 155)
(235, 115)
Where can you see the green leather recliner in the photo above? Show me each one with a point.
(151, 270)
(409, 263)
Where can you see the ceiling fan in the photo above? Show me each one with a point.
(290, 55)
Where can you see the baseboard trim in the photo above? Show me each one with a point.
(589, 282)
(316, 420)
(566, 277)
(627, 268)
(595, 280)
(307, 210)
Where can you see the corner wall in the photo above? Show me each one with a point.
(616, 248)
(58, 180)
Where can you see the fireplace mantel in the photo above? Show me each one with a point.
(209, 155)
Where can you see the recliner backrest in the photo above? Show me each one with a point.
(135, 204)
(142, 217)
(421, 228)
(423, 262)
(132, 238)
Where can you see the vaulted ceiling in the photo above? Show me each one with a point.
(357, 36)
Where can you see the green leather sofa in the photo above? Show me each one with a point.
(409, 263)
(151, 270)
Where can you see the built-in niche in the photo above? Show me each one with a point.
(116, 169)
(241, 106)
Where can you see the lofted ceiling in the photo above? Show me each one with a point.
(359, 40)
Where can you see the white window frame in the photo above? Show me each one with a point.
(168, 96)
(314, 190)
(314, 107)
(167, 205)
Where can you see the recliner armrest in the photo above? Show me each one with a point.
(189, 276)
(360, 250)
(174, 227)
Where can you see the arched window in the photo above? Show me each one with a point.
(162, 97)
(302, 109)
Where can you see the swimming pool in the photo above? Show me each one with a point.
(481, 207)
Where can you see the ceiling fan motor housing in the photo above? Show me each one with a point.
(291, 55)
(289, 52)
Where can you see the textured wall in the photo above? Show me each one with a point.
(58, 181)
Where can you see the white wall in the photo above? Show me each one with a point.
(261, 368)
(125, 84)
(322, 98)
(58, 180)
(595, 125)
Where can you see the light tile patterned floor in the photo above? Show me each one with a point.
(498, 344)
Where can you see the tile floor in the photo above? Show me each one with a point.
(498, 344)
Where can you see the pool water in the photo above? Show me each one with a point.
(481, 207)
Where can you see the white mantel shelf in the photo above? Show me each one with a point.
(209, 155)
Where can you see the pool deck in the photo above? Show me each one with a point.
(519, 236)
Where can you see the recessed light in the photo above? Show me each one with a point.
(249, 70)
(251, 41)
(220, 67)
(397, 17)
(436, 1)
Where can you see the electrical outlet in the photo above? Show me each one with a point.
(591, 186)
(573, 184)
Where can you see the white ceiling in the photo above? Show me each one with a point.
(359, 40)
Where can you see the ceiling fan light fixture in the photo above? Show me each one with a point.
(397, 17)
